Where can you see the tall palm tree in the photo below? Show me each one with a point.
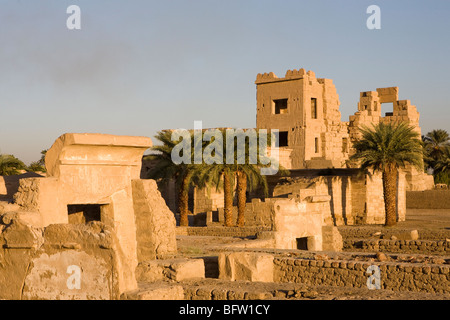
(10, 165)
(248, 175)
(165, 170)
(443, 164)
(435, 144)
(442, 168)
(222, 176)
(386, 148)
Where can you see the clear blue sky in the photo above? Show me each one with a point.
(136, 67)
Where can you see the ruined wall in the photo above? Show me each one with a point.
(396, 277)
(9, 185)
(207, 199)
(354, 198)
(429, 199)
(35, 262)
(441, 248)
(155, 223)
(370, 113)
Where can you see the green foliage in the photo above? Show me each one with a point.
(36, 167)
(388, 144)
(442, 177)
(437, 154)
(164, 168)
(10, 165)
(41, 161)
(436, 145)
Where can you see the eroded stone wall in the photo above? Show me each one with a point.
(393, 276)
(37, 263)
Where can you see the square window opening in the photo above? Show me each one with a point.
(280, 106)
(83, 213)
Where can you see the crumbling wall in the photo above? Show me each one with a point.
(10, 184)
(155, 223)
(42, 263)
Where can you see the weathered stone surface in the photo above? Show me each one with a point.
(332, 239)
(156, 291)
(170, 269)
(184, 269)
(92, 178)
(51, 277)
(248, 266)
(155, 223)
(36, 262)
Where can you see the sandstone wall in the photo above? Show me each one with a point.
(394, 276)
(411, 246)
(155, 223)
(429, 199)
(36, 262)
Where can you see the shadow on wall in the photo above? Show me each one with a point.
(10, 184)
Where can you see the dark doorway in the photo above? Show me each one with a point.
(83, 213)
(302, 243)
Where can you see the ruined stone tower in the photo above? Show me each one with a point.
(305, 109)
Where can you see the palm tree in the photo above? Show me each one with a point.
(435, 144)
(10, 165)
(386, 148)
(165, 170)
(36, 167)
(222, 176)
(41, 161)
(442, 168)
(249, 176)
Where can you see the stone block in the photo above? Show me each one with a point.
(182, 269)
(159, 291)
(248, 266)
(170, 269)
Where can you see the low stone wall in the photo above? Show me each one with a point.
(220, 231)
(429, 199)
(393, 276)
(403, 246)
(368, 232)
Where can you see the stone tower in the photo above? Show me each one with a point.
(305, 110)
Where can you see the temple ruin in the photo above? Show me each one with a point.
(95, 215)
(92, 211)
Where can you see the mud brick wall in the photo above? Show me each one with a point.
(394, 276)
(429, 199)
(413, 246)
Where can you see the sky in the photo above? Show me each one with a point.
(136, 67)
